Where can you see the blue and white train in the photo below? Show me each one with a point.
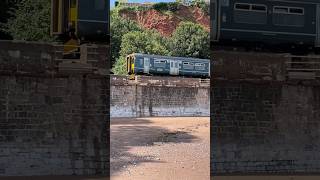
(145, 64)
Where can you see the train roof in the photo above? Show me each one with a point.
(169, 57)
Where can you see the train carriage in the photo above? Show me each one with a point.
(89, 19)
(271, 22)
(166, 65)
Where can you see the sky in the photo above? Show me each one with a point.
(141, 1)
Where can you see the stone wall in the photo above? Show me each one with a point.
(158, 97)
(265, 127)
(247, 66)
(51, 123)
(260, 123)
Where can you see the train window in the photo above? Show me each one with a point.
(280, 10)
(186, 63)
(288, 16)
(199, 64)
(242, 6)
(160, 61)
(299, 11)
(288, 10)
(250, 7)
(261, 8)
(250, 13)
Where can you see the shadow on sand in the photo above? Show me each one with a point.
(129, 133)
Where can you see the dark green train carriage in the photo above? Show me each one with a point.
(89, 19)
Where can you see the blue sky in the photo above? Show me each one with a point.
(141, 1)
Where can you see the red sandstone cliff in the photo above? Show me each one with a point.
(166, 23)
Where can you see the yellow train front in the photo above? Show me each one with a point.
(88, 20)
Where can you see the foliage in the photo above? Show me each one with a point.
(5, 7)
(162, 6)
(119, 27)
(133, 8)
(201, 4)
(173, 6)
(190, 40)
(30, 21)
(146, 42)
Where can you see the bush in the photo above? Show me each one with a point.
(171, 6)
(201, 4)
(134, 8)
(119, 27)
(30, 21)
(190, 40)
(160, 6)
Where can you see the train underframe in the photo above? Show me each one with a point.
(294, 49)
(163, 75)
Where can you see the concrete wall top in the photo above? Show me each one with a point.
(160, 81)
(36, 57)
(247, 65)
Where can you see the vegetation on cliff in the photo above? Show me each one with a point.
(29, 20)
(169, 29)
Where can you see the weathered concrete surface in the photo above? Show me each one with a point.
(159, 97)
(263, 124)
(51, 123)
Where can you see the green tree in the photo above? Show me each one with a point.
(30, 21)
(119, 26)
(201, 4)
(146, 42)
(5, 7)
(190, 40)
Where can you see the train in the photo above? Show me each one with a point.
(77, 22)
(289, 24)
(144, 64)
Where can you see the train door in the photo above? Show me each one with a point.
(146, 65)
(214, 8)
(174, 67)
(93, 20)
(317, 43)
